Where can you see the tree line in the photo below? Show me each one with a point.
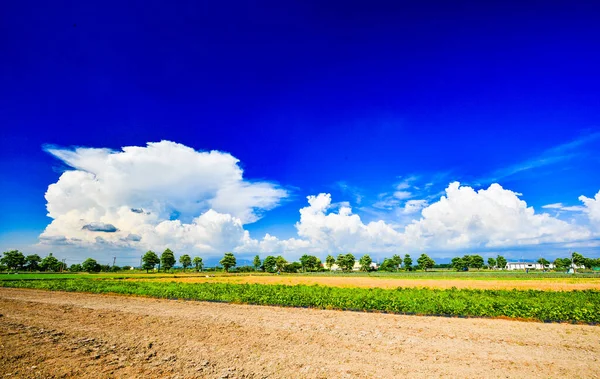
(16, 260)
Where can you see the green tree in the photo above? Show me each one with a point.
(388, 264)
(90, 265)
(501, 262)
(329, 261)
(346, 261)
(491, 262)
(150, 260)
(589, 263)
(309, 262)
(228, 261)
(397, 261)
(365, 263)
(13, 259)
(198, 264)
(167, 260)
(292, 267)
(578, 260)
(280, 262)
(476, 261)
(425, 262)
(269, 264)
(50, 263)
(186, 261)
(256, 263)
(459, 264)
(407, 262)
(543, 262)
(33, 262)
(562, 263)
(76, 268)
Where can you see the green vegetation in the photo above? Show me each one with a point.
(228, 261)
(150, 260)
(345, 261)
(167, 260)
(572, 306)
(186, 261)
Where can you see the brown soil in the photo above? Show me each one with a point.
(549, 284)
(55, 334)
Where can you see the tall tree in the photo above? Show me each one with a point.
(491, 262)
(397, 261)
(167, 260)
(186, 261)
(578, 260)
(476, 261)
(150, 260)
(425, 262)
(346, 261)
(460, 264)
(50, 263)
(228, 261)
(329, 261)
(33, 262)
(256, 263)
(280, 262)
(501, 262)
(198, 264)
(90, 265)
(407, 262)
(389, 265)
(269, 264)
(13, 259)
(309, 262)
(365, 263)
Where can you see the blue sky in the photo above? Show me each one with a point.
(376, 104)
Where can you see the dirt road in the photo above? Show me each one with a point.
(53, 334)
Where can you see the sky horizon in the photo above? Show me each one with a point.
(387, 128)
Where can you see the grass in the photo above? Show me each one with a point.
(555, 306)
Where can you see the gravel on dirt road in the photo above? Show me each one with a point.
(57, 334)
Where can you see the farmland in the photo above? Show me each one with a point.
(392, 294)
(303, 325)
(58, 334)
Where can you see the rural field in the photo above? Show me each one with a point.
(441, 324)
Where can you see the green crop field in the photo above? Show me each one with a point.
(556, 306)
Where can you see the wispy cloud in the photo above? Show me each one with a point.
(548, 157)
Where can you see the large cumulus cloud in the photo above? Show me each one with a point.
(161, 194)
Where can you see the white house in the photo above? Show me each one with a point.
(526, 266)
(533, 265)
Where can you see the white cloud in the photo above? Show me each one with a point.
(113, 195)
(553, 206)
(414, 206)
(592, 208)
(562, 207)
(128, 199)
(493, 217)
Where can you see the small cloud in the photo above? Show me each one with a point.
(100, 227)
(401, 195)
(137, 210)
(562, 207)
(553, 206)
(414, 206)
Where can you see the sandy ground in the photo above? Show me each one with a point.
(54, 334)
(548, 284)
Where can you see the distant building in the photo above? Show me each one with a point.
(526, 266)
(356, 267)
